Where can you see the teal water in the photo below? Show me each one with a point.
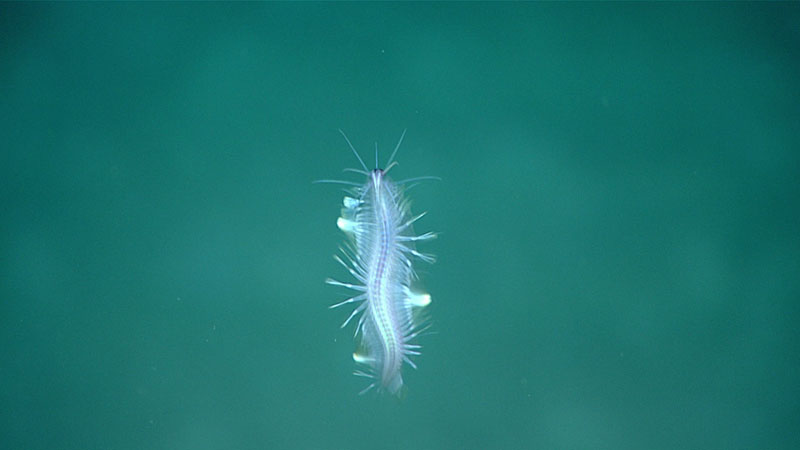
(619, 252)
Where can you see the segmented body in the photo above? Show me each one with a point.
(380, 257)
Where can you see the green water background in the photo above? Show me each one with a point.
(619, 252)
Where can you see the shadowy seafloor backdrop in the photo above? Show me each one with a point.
(619, 258)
